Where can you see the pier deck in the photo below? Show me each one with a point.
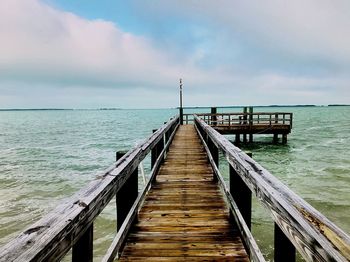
(184, 216)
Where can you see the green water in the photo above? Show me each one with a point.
(46, 156)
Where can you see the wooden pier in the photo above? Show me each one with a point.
(186, 211)
(247, 124)
(184, 217)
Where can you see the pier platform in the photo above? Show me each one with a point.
(247, 125)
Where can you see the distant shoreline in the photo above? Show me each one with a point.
(186, 107)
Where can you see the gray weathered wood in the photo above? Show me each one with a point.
(119, 239)
(52, 236)
(248, 239)
(315, 237)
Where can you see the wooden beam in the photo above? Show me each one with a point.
(284, 250)
(242, 196)
(83, 249)
(213, 111)
(127, 195)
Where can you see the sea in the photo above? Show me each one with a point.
(48, 155)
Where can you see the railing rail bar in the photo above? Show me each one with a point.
(119, 239)
(248, 239)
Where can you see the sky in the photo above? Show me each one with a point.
(131, 54)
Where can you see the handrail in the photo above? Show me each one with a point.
(312, 234)
(51, 237)
(119, 239)
(234, 119)
(247, 237)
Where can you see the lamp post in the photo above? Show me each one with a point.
(180, 108)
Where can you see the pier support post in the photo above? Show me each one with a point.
(214, 151)
(245, 110)
(213, 110)
(127, 195)
(156, 150)
(284, 139)
(275, 138)
(238, 139)
(154, 153)
(250, 124)
(241, 195)
(284, 249)
(82, 251)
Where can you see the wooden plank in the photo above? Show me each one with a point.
(184, 218)
(315, 237)
(187, 259)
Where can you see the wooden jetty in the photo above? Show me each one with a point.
(186, 211)
(184, 217)
(247, 124)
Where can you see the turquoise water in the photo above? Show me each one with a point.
(46, 156)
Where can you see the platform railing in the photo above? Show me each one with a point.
(297, 224)
(235, 119)
(70, 225)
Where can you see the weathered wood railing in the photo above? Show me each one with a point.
(70, 225)
(234, 119)
(297, 224)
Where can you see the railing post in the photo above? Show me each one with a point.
(237, 138)
(126, 195)
(83, 248)
(250, 124)
(213, 111)
(276, 119)
(181, 115)
(154, 152)
(160, 146)
(284, 249)
(245, 122)
(284, 139)
(241, 195)
(214, 151)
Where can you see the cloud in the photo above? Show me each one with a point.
(228, 52)
(41, 44)
(272, 33)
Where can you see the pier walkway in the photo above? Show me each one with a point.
(184, 216)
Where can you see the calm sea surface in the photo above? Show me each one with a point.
(46, 156)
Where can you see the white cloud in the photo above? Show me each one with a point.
(41, 44)
(318, 29)
(60, 56)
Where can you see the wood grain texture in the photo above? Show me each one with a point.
(313, 235)
(184, 217)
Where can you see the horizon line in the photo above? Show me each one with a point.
(159, 108)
